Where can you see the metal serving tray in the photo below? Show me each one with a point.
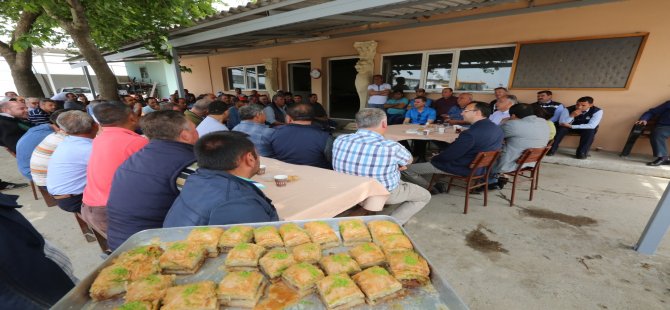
(439, 295)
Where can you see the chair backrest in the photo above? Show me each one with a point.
(484, 159)
(532, 155)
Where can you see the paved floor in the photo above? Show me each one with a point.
(570, 248)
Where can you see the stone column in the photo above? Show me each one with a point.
(271, 81)
(364, 66)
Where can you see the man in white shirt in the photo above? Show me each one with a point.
(582, 118)
(218, 114)
(378, 92)
(504, 103)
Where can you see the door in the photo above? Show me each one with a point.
(300, 83)
(343, 98)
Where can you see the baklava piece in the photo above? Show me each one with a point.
(244, 256)
(377, 284)
(234, 236)
(138, 305)
(409, 268)
(241, 289)
(208, 237)
(151, 288)
(339, 263)
(110, 282)
(383, 228)
(308, 253)
(302, 277)
(367, 255)
(354, 232)
(274, 262)
(141, 261)
(200, 295)
(339, 292)
(268, 237)
(293, 235)
(322, 234)
(395, 243)
(182, 257)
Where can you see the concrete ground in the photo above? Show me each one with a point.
(569, 248)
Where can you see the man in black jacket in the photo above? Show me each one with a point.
(13, 125)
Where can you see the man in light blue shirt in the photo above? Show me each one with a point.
(66, 175)
(420, 114)
(152, 106)
(253, 124)
(582, 118)
(218, 114)
(503, 104)
(275, 113)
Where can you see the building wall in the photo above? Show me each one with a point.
(160, 72)
(649, 86)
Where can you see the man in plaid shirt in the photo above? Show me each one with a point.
(366, 153)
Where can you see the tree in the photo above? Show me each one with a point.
(24, 27)
(98, 26)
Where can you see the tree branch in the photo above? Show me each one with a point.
(78, 15)
(24, 25)
(62, 22)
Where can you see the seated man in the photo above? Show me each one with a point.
(366, 153)
(144, 186)
(553, 108)
(12, 127)
(582, 118)
(152, 106)
(396, 107)
(253, 124)
(220, 191)
(444, 104)
(523, 131)
(504, 104)
(499, 92)
(455, 114)
(216, 117)
(40, 157)
(275, 112)
(30, 140)
(41, 114)
(198, 112)
(421, 115)
(66, 175)
(660, 134)
(234, 113)
(320, 115)
(420, 93)
(111, 148)
(301, 143)
(483, 136)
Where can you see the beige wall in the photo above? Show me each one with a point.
(649, 87)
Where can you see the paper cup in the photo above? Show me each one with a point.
(261, 170)
(440, 129)
(281, 180)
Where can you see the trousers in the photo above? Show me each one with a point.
(585, 140)
(411, 197)
(659, 139)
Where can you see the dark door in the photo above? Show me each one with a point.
(300, 83)
(343, 98)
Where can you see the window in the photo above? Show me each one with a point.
(246, 77)
(472, 70)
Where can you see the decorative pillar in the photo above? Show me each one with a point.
(271, 81)
(364, 66)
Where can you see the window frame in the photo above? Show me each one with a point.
(456, 53)
(243, 68)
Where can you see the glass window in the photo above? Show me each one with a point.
(246, 78)
(261, 77)
(438, 74)
(402, 71)
(235, 78)
(251, 77)
(484, 69)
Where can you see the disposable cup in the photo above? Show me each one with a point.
(261, 170)
(281, 180)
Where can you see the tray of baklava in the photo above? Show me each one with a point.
(367, 262)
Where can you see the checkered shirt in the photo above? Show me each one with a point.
(366, 153)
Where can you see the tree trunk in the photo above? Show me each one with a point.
(107, 82)
(25, 80)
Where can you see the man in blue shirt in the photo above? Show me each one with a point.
(30, 140)
(216, 117)
(66, 175)
(582, 118)
(234, 113)
(253, 124)
(553, 108)
(40, 115)
(220, 191)
(660, 134)
(422, 115)
(455, 114)
(420, 93)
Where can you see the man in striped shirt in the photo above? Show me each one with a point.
(41, 114)
(366, 153)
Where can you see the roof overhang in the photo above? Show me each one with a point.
(269, 23)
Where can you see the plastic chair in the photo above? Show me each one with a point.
(483, 160)
(529, 156)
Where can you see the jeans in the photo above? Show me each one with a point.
(586, 138)
(659, 140)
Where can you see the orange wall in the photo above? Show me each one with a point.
(197, 82)
(649, 87)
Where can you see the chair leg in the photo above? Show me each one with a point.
(32, 186)
(102, 241)
(451, 181)
(85, 230)
(432, 181)
(537, 177)
(486, 192)
(511, 201)
(533, 184)
(467, 197)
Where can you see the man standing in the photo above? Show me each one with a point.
(152, 106)
(583, 118)
(455, 115)
(299, 142)
(483, 136)
(227, 160)
(275, 113)
(660, 134)
(504, 104)
(253, 124)
(198, 112)
(12, 127)
(378, 92)
(366, 153)
(66, 175)
(144, 186)
(553, 108)
(41, 114)
(112, 147)
(217, 115)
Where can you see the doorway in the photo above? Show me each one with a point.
(343, 97)
(299, 81)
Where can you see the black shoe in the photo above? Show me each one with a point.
(494, 187)
(440, 187)
(659, 161)
(581, 156)
(8, 185)
(551, 153)
(502, 182)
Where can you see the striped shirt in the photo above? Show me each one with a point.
(39, 161)
(38, 116)
(366, 153)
